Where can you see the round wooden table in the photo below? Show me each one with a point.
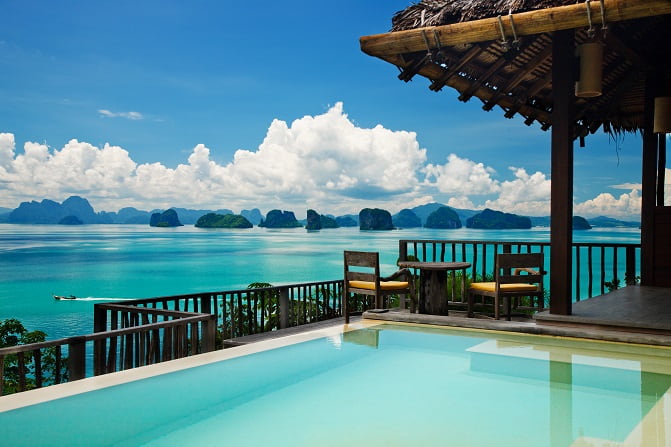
(433, 283)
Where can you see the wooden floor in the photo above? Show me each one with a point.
(634, 309)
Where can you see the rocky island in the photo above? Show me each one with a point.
(443, 218)
(316, 221)
(406, 219)
(497, 220)
(580, 223)
(165, 219)
(280, 219)
(375, 219)
(214, 220)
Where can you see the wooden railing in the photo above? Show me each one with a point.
(252, 310)
(597, 267)
(141, 332)
(141, 337)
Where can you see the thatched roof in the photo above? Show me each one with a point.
(459, 44)
(441, 12)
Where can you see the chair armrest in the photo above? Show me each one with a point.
(403, 272)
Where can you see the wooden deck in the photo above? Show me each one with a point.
(642, 309)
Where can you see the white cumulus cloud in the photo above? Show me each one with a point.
(324, 162)
(526, 194)
(605, 204)
(461, 176)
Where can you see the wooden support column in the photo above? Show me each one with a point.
(561, 207)
(661, 168)
(648, 187)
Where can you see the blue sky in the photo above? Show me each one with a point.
(220, 104)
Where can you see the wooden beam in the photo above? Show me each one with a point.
(438, 84)
(434, 71)
(561, 194)
(526, 23)
(519, 77)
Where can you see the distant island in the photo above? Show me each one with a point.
(580, 223)
(443, 218)
(166, 219)
(375, 219)
(77, 211)
(406, 219)
(316, 221)
(497, 220)
(214, 220)
(280, 219)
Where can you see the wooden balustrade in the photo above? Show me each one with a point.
(254, 310)
(597, 267)
(127, 346)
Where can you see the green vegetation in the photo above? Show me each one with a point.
(213, 220)
(259, 310)
(13, 333)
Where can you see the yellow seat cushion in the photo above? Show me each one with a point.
(491, 287)
(384, 285)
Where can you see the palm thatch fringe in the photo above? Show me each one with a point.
(443, 12)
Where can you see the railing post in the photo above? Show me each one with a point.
(402, 250)
(99, 346)
(205, 304)
(284, 308)
(209, 328)
(2, 373)
(76, 358)
(630, 268)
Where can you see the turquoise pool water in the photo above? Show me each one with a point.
(387, 385)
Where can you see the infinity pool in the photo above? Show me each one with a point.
(381, 385)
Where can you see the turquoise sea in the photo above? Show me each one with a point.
(111, 262)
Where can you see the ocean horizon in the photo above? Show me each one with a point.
(100, 263)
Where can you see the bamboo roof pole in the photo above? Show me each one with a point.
(526, 23)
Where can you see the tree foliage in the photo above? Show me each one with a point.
(13, 333)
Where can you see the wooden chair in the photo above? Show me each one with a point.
(365, 279)
(509, 283)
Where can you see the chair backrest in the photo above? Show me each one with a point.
(530, 263)
(368, 261)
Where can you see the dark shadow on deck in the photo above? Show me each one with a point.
(644, 309)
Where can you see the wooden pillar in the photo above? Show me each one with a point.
(661, 168)
(649, 184)
(561, 207)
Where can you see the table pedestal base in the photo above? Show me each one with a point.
(433, 292)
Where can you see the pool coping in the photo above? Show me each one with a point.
(459, 320)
